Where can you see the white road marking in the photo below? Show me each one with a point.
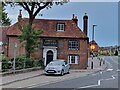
(89, 86)
(101, 72)
(109, 64)
(109, 69)
(99, 82)
(118, 70)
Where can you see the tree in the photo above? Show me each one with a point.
(30, 40)
(116, 53)
(4, 19)
(33, 8)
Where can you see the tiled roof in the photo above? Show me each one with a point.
(93, 42)
(49, 28)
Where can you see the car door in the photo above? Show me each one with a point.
(66, 66)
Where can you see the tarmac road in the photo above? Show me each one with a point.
(107, 78)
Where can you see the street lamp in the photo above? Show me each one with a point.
(93, 32)
(92, 45)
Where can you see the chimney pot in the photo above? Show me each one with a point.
(20, 15)
(75, 19)
(73, 16)
(85, 24)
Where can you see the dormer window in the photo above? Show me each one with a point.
(60, 27)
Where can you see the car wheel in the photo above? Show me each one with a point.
(68, 72)
(62, 72)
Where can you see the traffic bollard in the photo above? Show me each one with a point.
(92, 65)
(103, 61)
(100, 63)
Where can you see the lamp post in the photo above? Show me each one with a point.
(92, 46)
(15, 49)
(93, 32)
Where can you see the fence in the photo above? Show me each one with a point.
(7, 65)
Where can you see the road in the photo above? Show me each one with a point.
(103, 79)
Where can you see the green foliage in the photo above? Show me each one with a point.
(2, 56)
(21, 62)
(6, 64)
(41, 63)
(29, 62)
(30, 40)
(5, 21)
(116, 53)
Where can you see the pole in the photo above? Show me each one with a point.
(92, 44)
(15, 47)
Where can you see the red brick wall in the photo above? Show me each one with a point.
(62, 51)
(83, 53)
(20, 49)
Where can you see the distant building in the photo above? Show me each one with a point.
(93, 47)
(61, 39)
(110, 50)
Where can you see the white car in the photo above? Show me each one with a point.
(57, 67)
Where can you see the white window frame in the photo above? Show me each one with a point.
(76, 59)
(75, 45)
(60, 27)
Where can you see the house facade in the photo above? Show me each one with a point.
(93, 48)
(61, 39)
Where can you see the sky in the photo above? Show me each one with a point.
(102, 14)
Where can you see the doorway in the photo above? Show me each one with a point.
(49, 57)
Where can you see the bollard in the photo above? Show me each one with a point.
(100, 63)
(92, 65)
(103, 61)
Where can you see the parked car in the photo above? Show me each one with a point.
(57, 67)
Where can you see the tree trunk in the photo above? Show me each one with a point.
(28, 52)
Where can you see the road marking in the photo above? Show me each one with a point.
(109, 69)
(101, 72)
(99, 82)
(89, 86)
(118, 70)
(109, 64)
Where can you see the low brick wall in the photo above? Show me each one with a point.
(20, 71)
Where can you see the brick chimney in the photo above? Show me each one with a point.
(85, 24)
(20, 16)
(75, 19)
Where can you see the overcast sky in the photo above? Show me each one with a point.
(103, 14)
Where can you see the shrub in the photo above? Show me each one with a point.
(41, 63)
(29, 62)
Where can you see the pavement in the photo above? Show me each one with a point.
(28, 75)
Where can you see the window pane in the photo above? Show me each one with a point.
(73, 59)
(73, 45)
(60, 27)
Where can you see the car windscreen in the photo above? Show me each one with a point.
(56, 63)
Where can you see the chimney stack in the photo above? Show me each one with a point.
(20, 16)
(85, 24)
(75, 19)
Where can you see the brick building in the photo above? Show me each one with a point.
(94, 47)
(61, 39)
(3, 39)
